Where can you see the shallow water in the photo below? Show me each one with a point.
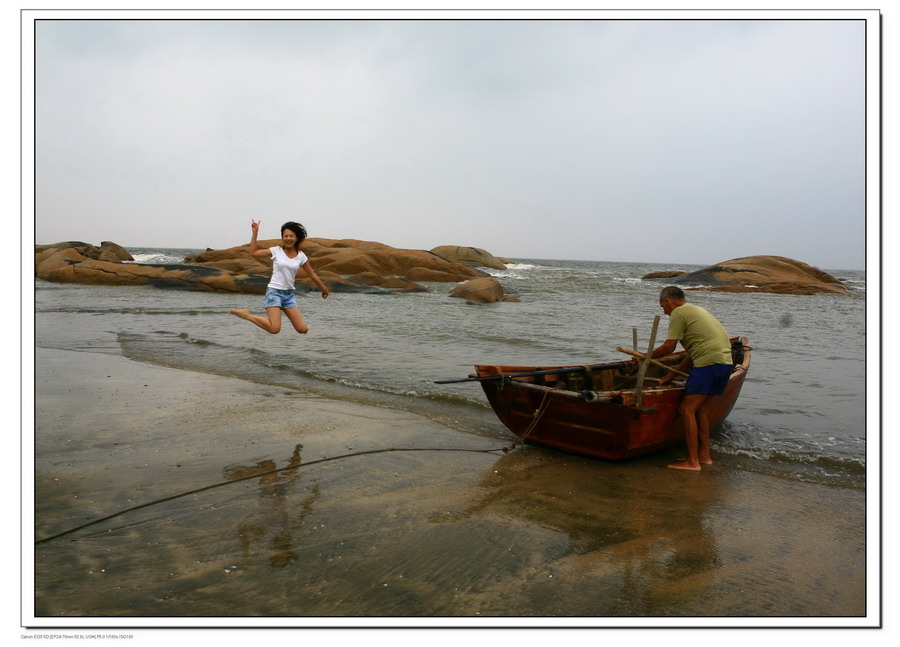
(801, 413)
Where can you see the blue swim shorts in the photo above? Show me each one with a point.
(710, 380)
(283, 299)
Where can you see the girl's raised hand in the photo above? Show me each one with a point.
(254, 225)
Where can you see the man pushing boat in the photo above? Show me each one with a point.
(604, 410)
(709, 356)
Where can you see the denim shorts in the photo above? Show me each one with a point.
(283, 299)
(711, 380)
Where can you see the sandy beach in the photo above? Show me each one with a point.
(221, 497)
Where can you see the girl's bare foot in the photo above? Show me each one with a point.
(243, 314)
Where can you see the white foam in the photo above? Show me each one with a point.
(156, 258)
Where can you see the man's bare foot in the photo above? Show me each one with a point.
(704, 460)
(243, 314)
(684, 465)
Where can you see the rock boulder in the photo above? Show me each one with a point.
(482, 290)
(774, 274)
(113, 253)
(107, 251)
(67, 265)
(469, 256)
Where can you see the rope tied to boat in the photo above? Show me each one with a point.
(535, 419)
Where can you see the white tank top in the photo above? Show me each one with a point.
(284, 268)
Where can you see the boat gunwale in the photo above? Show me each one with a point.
(505, 378)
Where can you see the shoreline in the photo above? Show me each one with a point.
(410, 518)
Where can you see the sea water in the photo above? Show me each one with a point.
(801, 414)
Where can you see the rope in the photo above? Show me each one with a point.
(536, 417)
(256, 475)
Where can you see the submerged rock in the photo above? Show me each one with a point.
(663, 275)
(482, 290)
(774, 274)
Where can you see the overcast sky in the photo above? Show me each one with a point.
(670, 141)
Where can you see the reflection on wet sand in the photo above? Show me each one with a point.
(654, 529)
(275, 518)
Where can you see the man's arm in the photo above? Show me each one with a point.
(667, 348)
(685, 364)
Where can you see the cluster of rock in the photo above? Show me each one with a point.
(371, 267)
(774, 274)
(78, 262)
(343, 265)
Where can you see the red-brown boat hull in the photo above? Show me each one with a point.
(601, 429)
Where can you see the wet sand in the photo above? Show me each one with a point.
(229, 499)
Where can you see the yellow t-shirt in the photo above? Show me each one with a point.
(701, 334)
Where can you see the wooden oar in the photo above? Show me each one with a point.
(645, 364)
(634, 353)
(547, 371)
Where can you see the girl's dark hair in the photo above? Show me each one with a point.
(298, 229)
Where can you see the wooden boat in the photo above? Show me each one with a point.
(600, 410)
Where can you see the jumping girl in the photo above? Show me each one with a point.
(287, 259)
